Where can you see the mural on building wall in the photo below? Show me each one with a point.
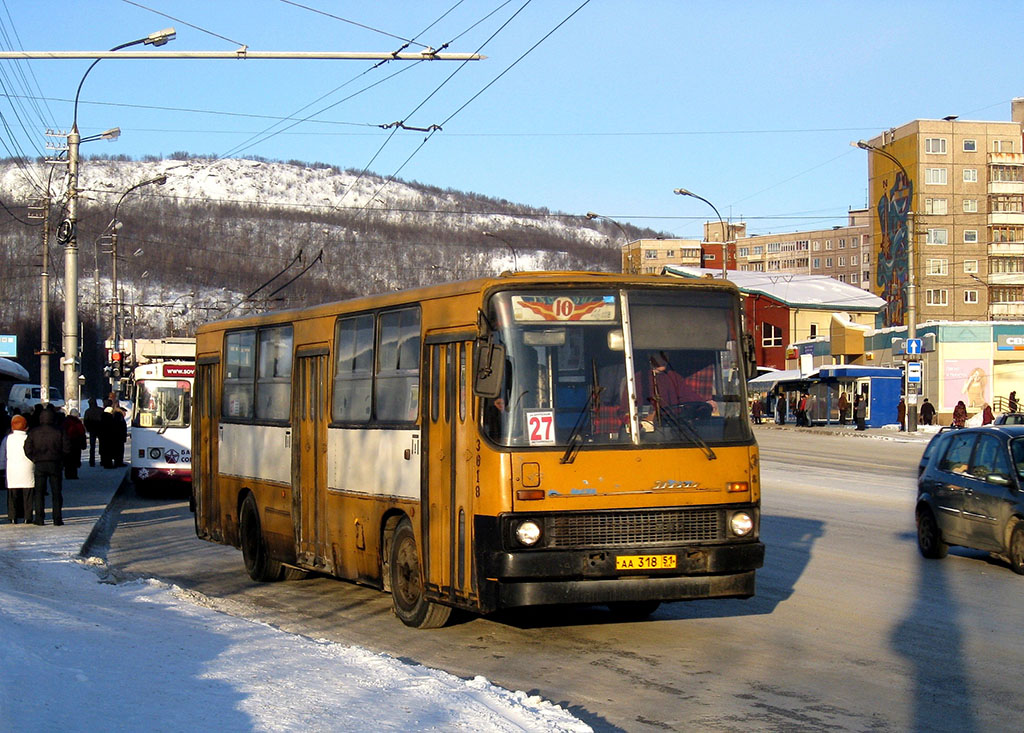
(967, 380)
(891, 278)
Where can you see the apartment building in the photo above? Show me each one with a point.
(649, 256)
(842, 252)
(956, 196)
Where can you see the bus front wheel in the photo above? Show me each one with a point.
(407, 594)
(258, 563)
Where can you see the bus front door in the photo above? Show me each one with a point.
(205, 497)
(448, 492)
(309, 454)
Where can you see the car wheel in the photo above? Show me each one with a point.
(929, 536)
(1017, 549)
(407, 594)
(258, 563)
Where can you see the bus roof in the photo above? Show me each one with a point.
(465, 287)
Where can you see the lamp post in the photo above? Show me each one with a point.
(911, 290)
(515, 260)
(67, 236)
(725, 232)
(625, 237)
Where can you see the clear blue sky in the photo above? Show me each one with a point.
(750, 104)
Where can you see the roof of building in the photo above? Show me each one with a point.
(803, 291)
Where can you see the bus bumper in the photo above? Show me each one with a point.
(161, 475)
(589, 576)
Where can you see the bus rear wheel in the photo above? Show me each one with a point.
(407, 594)
(258, 563)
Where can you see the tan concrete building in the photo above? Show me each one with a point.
(651, 255)
(961, 207)
(843, 253)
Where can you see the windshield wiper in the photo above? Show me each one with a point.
(593, 401)
(684, 426)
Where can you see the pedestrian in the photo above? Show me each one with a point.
(780, 410)
(927, 412)
(959, 415)
(1013, 404)
(109, 435)
(986, 415)
(93, 418)
(20, 473)
(901, 414)
(755, 411)
(801, 410)
(76, 434)
(860, 412)
(121, 434)
(844, 405)
(46, 446)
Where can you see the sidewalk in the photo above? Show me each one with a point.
(85, 510)
(923, 434)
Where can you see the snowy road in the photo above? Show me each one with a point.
(850, 630)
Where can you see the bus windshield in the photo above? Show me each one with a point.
(639, 366)
(162, 403)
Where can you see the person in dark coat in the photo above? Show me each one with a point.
(860, 412)
(901, 414)
(93, 419)
(927, 412)
(113, 434)
(46, 447)
(76, 433)
(959, 415)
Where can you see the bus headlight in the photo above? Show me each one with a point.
(741, 524)
(155, 453)
(528, 532)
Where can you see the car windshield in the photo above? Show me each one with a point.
(595, 367)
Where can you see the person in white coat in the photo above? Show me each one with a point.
(20, 471)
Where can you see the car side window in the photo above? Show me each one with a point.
(1017, 456)
(958, 455)
(986, 455)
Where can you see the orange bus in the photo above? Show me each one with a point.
(532, 438)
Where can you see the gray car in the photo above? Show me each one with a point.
(971, 493)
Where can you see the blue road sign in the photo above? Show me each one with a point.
(913, 372)
(914, 346)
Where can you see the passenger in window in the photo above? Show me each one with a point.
(659, 387)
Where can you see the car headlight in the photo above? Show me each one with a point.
(528, 532)
(741, 524)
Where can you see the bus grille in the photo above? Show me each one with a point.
(623, 529)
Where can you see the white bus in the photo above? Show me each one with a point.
(162, 423)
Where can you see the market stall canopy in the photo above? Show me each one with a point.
(766, 382)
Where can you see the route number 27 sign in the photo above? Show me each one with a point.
(540, 426)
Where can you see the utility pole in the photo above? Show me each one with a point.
(40, 211)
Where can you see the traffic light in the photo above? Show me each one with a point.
(116, 365)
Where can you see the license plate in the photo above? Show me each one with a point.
(645, 562)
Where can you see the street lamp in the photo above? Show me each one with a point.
(911, 290)
(725, 232)
(68, 237)
(515, 261)
(591, 215)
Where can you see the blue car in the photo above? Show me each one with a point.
(970, 493)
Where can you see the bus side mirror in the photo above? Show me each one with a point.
(749, 356)
(490, 369)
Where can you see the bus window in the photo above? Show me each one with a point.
(353, 369)
(398, 366)
(240, 347)
(274, 380)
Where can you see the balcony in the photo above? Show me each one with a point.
(1005, 311)
(1006, 158)
(997, 187)
(1005, 278)
(1006, 217)
(1005, 249)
